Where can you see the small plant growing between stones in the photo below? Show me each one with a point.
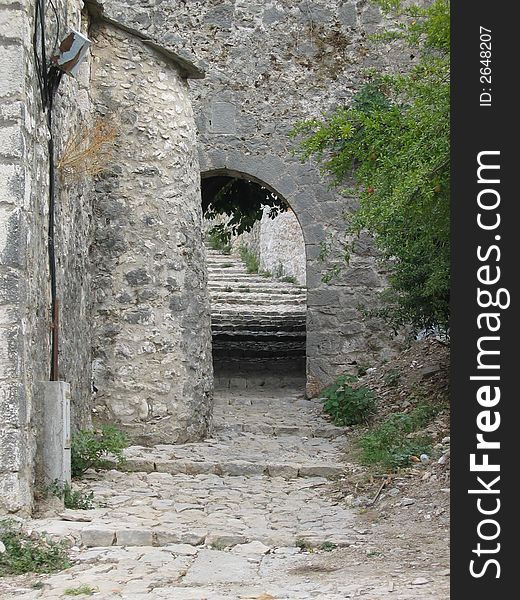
(362, 369)
(346, 404)
(91, 449)
(218, 545)
(328, 546)
(73, 499)
(23, 553)
(303, 545)
(82, 590)
(249, 259)
(288, 279)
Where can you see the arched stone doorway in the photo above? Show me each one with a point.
(256, 279)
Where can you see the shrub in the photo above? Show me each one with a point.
(346, 404)
(33, 553)
(91, 449)
(73, 499)
(391, 146)
(392, 443)
(250, 260)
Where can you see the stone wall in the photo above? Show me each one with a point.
(282, 247)
(152, 336)
(24, 269)
(136, 241)
(270, 64)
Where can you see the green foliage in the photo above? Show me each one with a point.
(303, 545)
(250, 260)
(392, 377)
(73, 499)
(346, 404)
(33, 553)
(82, 590)
(392, 443)
(241, 199)
(392, 145)
(90, 449)
(288, 279)
(328, 546)
(219, 237)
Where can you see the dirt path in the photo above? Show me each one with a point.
(250, 513)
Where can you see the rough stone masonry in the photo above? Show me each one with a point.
(131, 276)
(270, 64)
(134, 312)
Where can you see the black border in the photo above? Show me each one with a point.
(476, 129)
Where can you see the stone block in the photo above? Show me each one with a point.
(13, 450)
(15, 492)
(223, 118)
(98, 536)
(134, 537)
(12, 71)
(219, 540)
(13, 404)
(242, 468)
(165, 537)
(11, 143)
(285, 471)
(54, 437)
(13, 237)
(347, 14)
(324, 297)
(327, 471)
(11, 184)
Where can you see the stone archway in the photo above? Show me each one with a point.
(258, 310)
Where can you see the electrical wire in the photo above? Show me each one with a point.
(49, 78)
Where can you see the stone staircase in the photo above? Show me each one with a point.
(262, 477)
(258, 322)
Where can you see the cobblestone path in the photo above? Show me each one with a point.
(234, 517)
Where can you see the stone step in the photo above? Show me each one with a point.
(234, 468)
(245, 299)
(246, 290)
(262, 337)
(260, 328)
(253, 312)
(225, 424)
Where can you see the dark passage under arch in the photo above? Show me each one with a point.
(258, 318)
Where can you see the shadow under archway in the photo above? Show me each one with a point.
(258, 295)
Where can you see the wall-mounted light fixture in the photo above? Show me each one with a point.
(71, 52)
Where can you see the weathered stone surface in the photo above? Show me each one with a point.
(236, 536)
(24, 262)
(134, 537)
(153, 364)
(212, 566)
(271, 66)
(97, 536)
